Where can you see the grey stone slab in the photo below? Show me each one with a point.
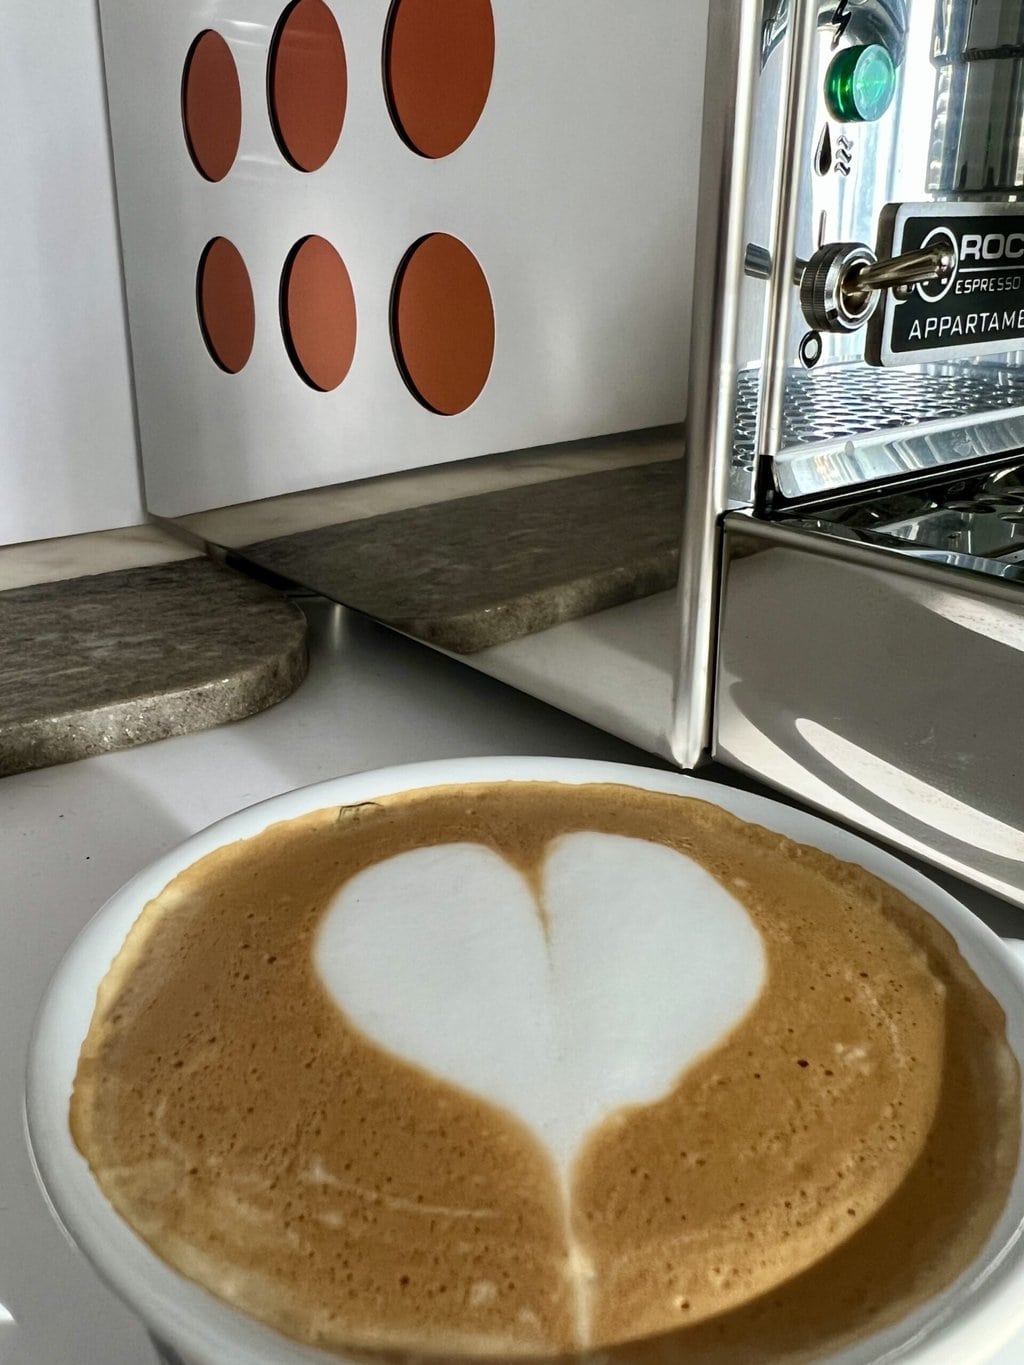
(483, 570)
(112, 660)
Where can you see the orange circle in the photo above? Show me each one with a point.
(438, 63)
(227, 313)
(307, 83)
(318, 313)
(442, 324)
(211, 105)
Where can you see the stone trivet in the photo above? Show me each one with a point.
(483, 570)
(116, 659)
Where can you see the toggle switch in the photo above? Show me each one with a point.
(842, 282)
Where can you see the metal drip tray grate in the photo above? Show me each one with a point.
(840, 423)
(845, 401)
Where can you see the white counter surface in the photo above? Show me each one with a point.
(70, 836)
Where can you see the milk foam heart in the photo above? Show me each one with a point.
(633, 962)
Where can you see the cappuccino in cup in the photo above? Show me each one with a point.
(528, 1069)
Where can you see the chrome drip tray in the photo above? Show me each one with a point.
(973, 530)
(973, 523)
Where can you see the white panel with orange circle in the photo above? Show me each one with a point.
(369, 235)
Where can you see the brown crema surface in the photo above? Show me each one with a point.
(837, 1159)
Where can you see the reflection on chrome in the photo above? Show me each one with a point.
(920, 800)
(1002, 624)
(6, 1316)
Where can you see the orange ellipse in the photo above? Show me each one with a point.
(442, 324)
(318, 313)
(227, 312)
(307, 83)
(211, 105)
(438, 63)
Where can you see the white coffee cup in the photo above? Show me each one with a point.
(968, 1322)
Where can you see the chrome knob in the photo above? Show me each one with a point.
(841, 283)
(829, 303)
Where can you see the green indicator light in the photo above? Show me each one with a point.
(860, 84)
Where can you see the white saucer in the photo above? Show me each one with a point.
(967, 1323)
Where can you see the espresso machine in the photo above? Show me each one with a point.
(865, 549)
(726, 454)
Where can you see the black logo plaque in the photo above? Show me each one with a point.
(977, 310)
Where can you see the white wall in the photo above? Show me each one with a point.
(68, 460)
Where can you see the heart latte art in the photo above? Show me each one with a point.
(524, 1068)
(561, 1004)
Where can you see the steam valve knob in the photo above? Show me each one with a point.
(841, 283)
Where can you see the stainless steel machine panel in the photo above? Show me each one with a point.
(879, 689)
(945, 133)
